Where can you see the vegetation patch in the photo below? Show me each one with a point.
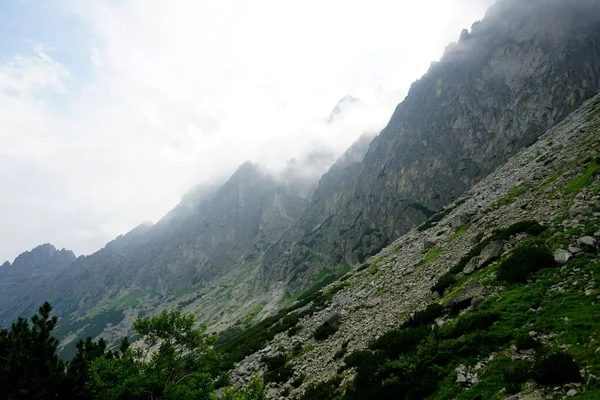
(509, 197)
(431, 255)
(524, 261)
(461, 231)
(584, 180)
(328, 328)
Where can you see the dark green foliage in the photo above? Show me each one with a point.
(434, 219)
(523, 262)
(518, 371)
(183, 365)
(297, 382)
(556, 369)
(530, 227)
(426, 316)
(323, 391)
(469, 323)
(29, 365)
(327, 329)
(399, 341)
(525, 342)
(444, 283)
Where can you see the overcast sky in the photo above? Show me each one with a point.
(111, 109)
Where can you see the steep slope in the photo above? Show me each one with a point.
(211, 233)
(513, 76)
(29, 274)
(472, 335)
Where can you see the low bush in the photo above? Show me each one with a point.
(426, 316)
(556, 369)
(328, 328)
(470, 323)
(523, 262)
(518, 371)
(524, 342)
(323, 391)
(444, 283)
(400, 341)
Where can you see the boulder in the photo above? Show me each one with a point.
(562, 256)
(490, 253)
(471, 266)
(587, 243)
(460, 220)
(581, 210)
(464, 296)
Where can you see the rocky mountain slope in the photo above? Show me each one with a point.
(30, 271)
(517, 73)
(546, 197)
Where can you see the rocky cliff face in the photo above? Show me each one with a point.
(209, 234)
(513, 76)
(29, 274)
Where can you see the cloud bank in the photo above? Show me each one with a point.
(174, 94)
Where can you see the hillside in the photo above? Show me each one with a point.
(513, 76)
(486, 321)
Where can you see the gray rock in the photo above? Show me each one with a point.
(460, 220)
(587, 243)
(471, 266)
(490, 253)
(532, 396)
(574, 250)
(472, 290)
(571, 393)
(580, 211)
(561, 256)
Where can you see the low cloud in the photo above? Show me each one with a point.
(180, 93)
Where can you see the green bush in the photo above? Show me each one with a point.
(523, 262)
(556, 369)
(518, 371)
(325, 330)
(524, 342)
(426, 316)
(323, 391)
(400, 341)
(444, 283)
(470, 323)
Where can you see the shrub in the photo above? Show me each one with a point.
(523, 262)
(297, 382)
(328, 328)
(279, 375)
(518, 371)
(524, 342)
(444, 283)
(556, 369)
(471, 322)
(400, 341)
(426, 316)
(323, 391)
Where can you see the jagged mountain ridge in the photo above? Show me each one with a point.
(30, 271)
(517, 73)
(210, 233)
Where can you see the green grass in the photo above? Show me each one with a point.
(461, 231)
(325, 277)
(583, 180)
(509, 197)
(431, 255)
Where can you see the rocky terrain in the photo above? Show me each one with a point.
(508, 80)
(405, 246)
(555, 182)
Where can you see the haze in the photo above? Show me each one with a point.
(111, 110)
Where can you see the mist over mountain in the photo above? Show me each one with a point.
(240, 249)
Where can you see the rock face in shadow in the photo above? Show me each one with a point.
(210, 233)
(30, 273)
(517, 73)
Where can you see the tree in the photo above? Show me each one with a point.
(175, 361)
(29, 365)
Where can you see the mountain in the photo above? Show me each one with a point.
(29, 274)
(514, 75)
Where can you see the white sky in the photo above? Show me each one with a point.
(174, 93)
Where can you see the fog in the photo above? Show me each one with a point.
(111, 111)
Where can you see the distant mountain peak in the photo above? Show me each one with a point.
(342, 105)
